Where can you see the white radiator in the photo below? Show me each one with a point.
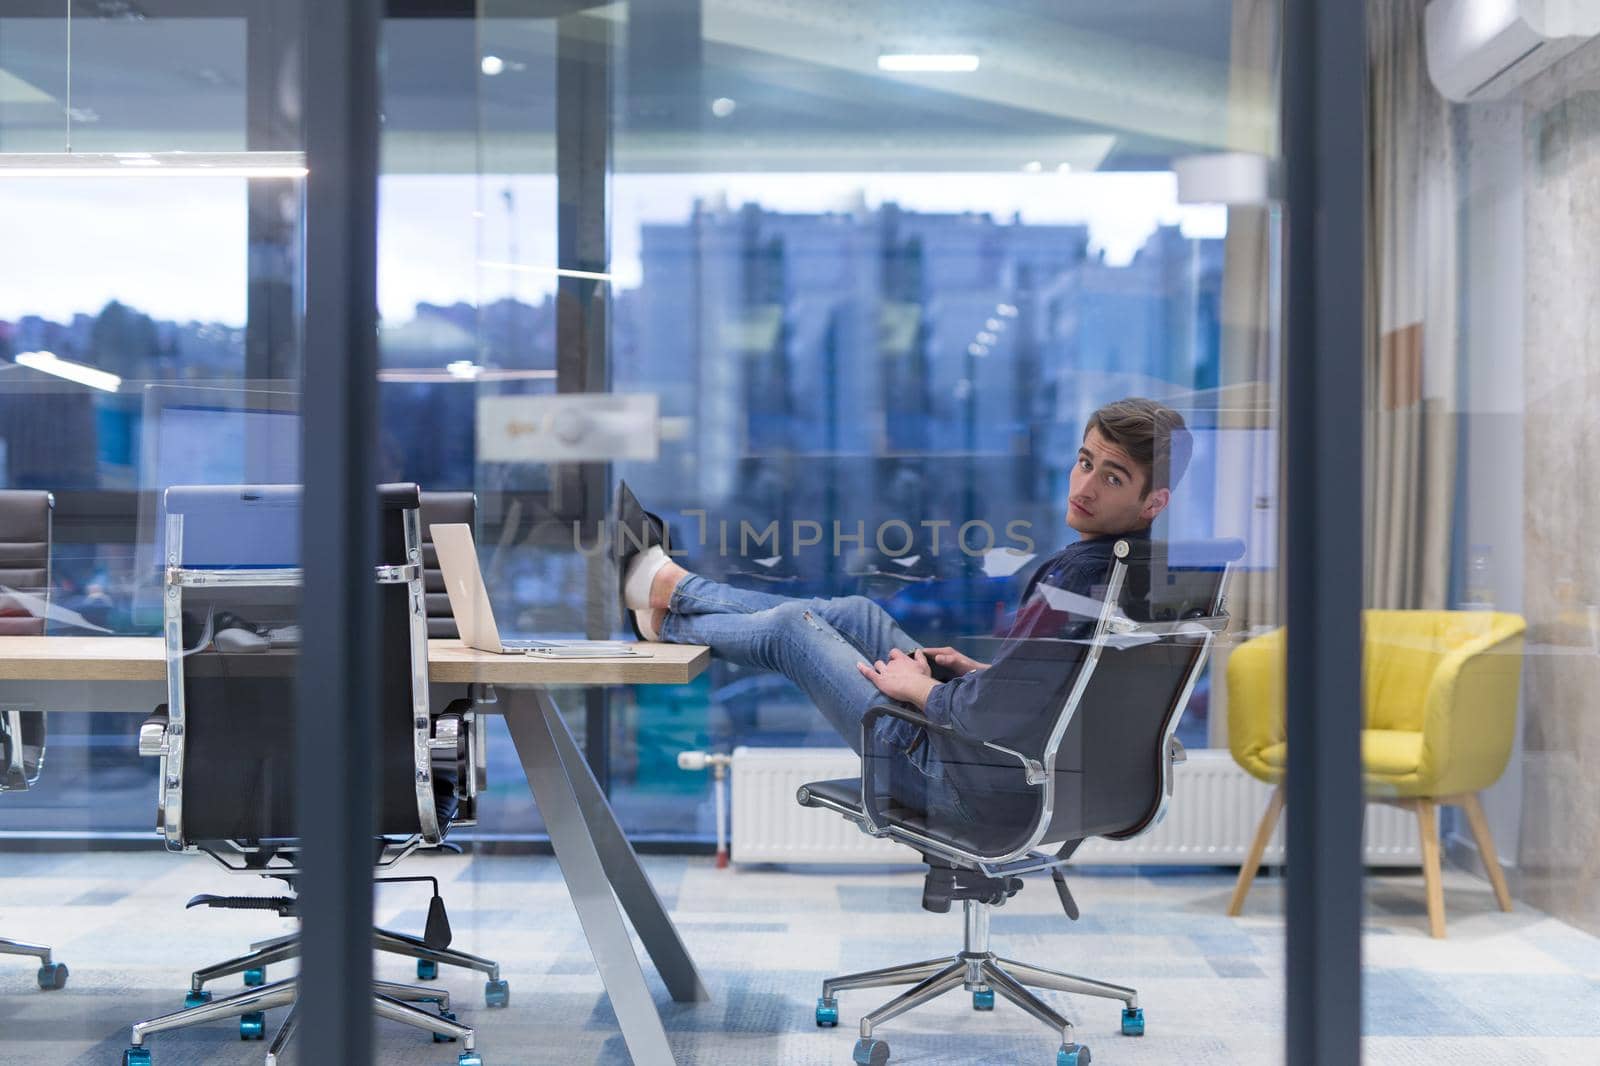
(1211, 820)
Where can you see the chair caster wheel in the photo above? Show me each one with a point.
(1133, 1021)
(136, 1056)
(196, 997)
(870, 1053)
(827, 1012)
(445, 1038)
(497, 993)
(1073, 1055)
(983, 999)
(255, 978)
(469, 1058)
(253, 1026)
(53, 976)
(427, 971)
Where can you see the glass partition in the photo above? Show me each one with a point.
(837, 292)
(1482, 638)
(867, 277)
(150, 326)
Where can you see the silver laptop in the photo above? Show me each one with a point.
(469, 602)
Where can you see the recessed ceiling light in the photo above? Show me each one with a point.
(1063, 168)
(1033, 166)
(492, 65)
(942, 63)
(723, 106)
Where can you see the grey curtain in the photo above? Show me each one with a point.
(1251, 355)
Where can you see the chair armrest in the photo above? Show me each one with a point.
(1033, 768)
(460, 732)
(869, 721)
(446, 733)
(153, 733)
(1470, 715)
(889, 710)
(1255, 676)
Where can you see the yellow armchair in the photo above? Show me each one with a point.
(1439, 716)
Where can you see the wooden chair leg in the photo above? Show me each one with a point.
(1491, 862)
(1428, 823)
(1258, 847)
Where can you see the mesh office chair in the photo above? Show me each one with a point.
(1082, 745)
(24, 592)
(226, 738)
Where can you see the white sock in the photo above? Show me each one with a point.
(642, 620)
(642, 569)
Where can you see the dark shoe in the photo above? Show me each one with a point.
(634, 530)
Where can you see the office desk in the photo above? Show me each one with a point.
(128, 674)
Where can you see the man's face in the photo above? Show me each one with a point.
(1104, 497)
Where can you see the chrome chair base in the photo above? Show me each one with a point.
(391, 1001)
(983, 973)
(278, 949)
(17, 947)
(52, 974)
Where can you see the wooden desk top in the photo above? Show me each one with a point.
(449, 661)
(141, 659)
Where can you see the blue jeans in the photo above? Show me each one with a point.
(815, 643)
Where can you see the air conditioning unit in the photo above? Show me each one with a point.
(1484, 49)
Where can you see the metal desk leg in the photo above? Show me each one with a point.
(585, 874)
(633, 887)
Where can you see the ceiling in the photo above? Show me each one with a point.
(1082, 82)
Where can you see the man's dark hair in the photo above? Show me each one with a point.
(1153, 435)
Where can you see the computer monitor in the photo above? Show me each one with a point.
(237, 434)
(1230, 491)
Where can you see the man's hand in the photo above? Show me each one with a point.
(903, 677)
(954, 661)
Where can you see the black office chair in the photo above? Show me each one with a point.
(1095, 760)
(460, 750)
(24, 595)
(226, 740)
(469, 766)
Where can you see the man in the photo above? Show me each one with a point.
(847, 653)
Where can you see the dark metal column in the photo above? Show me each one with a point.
(1324, 80)
(583, 157)
(338, 671)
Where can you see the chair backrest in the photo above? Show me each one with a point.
(233, 763)
(1093, 713)
(1113, 767)
(1403, 650)
(24, 560)
(25, 531)
(442, 508)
